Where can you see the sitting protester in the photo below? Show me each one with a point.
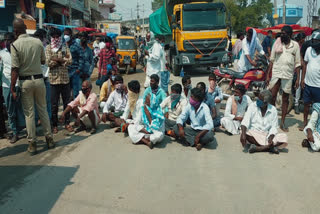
(236, 107)
(155, 89)
(200, 131)
(175, 105)
(132, 111)
(259, 127)
(187, 86)
(211, 104)
(312, 130)
(150, 128)
(215, 92)
(116, 101)
(108, 87)
(85, 108)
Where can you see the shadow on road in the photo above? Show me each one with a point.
(37, 193)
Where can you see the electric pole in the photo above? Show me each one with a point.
(276, 15)
(40, 16)
(284, 12)
(138, 17)
(143, 33)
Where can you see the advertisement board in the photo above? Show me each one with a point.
(2, 3)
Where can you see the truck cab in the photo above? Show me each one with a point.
(199, 34)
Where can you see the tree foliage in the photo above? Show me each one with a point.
(244, 13)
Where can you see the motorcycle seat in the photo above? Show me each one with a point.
(237, 75)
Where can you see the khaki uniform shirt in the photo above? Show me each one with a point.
(27, 55)
(285, 63)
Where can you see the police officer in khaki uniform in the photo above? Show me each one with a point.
(27, 55)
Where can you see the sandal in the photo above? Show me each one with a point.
(55, 130)
(199, 146)
(69, 128)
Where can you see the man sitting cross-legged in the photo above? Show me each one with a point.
(132, 112)
(149, 129)
(312, 130)
(175, 104)
(236, 107)
(117, 100)
(259, 127)
(200, 131)
(85, 108)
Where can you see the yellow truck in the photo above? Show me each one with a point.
(196, 30)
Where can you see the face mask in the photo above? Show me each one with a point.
(175, 96)
(194, 103)
(78, 41)
(285, 39)
(119, 87)
(113, 77)
(189, 87)
(162, 44)
(85, 90)
(153, 86)
(66, 38)
(236, 98)
(260, 103)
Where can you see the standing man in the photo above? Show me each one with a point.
(27, 56)
(88, 64)
(267, 43)
(14, 108)
(285, 61)
(153, 57)
(310, 80)
(77, 61)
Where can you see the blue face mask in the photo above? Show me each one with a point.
(162, 44)
(260, 103)
(236, 98)
(78, 41)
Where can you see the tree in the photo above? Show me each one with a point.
(156, 4)
(244, 14)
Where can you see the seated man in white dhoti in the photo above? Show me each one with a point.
(150, 129)
(132, 111)
(236, 107)
(312, 130)
(259, 127)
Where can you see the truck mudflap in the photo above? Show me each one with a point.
(189, 59)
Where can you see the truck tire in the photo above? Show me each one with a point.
(176, 69)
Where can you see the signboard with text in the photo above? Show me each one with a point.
(2, 3)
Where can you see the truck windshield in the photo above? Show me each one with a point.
(204, 19)
(126, 44)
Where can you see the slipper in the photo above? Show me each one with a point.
(301, 128)
(252, 149)
(305, 143)
(284, 128)
(199, 146)
(274, 150)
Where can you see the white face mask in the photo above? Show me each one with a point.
(66, 38)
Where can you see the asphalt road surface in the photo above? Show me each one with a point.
(105, 173)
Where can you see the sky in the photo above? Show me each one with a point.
(126, 6)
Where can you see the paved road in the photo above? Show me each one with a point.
(105, 173)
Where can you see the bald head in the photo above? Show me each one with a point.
(19, 27)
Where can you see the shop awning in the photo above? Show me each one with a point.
(277, 29)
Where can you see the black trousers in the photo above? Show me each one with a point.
(3, 129)
(190, 135)
(65, 91)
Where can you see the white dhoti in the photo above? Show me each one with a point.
(262, 138)
(86, 120)
(315, 146)
(102, 104)
(232, 126)
(136, 136)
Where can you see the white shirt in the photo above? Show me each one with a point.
(241, 107)
(6, 61)
(313, 68)
(174, 113)
(136, 114)
(163, 60)
(117, 100)
(312, 122)
(154, 59)
(243, 63)
(253, 119)
(285, 63)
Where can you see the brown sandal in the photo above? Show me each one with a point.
(55, 130)
(69, 128)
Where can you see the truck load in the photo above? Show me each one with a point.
(197, 32)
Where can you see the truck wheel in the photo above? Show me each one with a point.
(176, 69)
(127, 69)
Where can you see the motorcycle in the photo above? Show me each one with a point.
(253, 79)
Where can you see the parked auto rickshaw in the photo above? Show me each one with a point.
(127, 53)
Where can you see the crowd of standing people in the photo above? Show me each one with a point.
(36, 74)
